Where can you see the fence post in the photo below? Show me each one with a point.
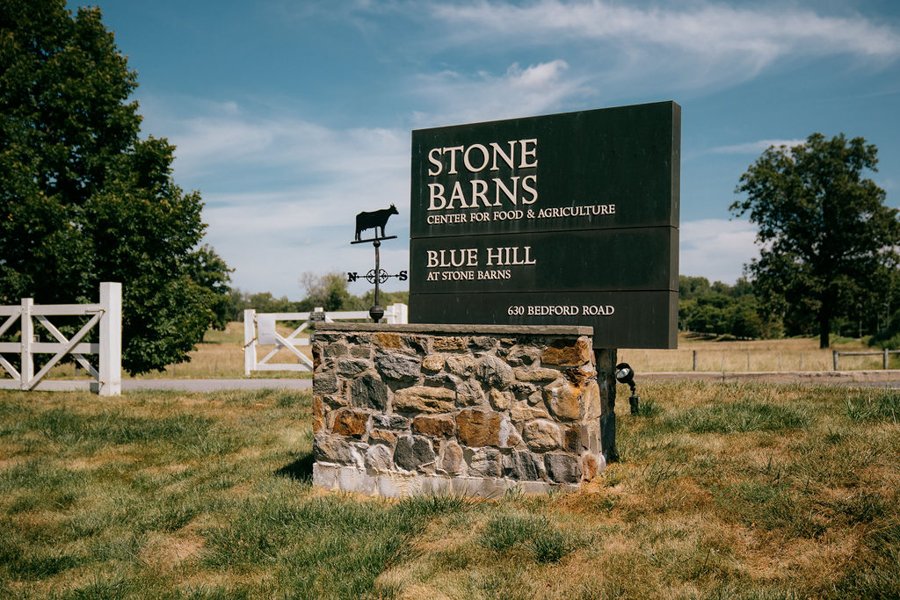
(27, 368)
(834, 357)
(402, 314)
(110, 382)
(694, 361)
(884, 360)
(249, 341)
(397, 314)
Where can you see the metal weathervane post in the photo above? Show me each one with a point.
(375, 220)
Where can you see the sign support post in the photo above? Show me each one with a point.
(377, 311)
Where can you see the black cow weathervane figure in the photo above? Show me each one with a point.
(375, 220)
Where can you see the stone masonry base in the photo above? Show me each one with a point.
(393, 485)
(478, 410)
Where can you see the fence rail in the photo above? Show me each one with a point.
(776, 359)
(107, 380)
(260, 329)
(885, 354)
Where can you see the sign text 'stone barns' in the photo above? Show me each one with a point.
(567, 219)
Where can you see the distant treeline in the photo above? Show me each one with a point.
(327, 291)
(715, 309)
(719, 309)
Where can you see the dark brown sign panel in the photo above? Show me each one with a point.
(561, 219)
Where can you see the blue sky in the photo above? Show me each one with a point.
(290, 117)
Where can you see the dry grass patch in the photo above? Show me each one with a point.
(793, 354)
(724, 491)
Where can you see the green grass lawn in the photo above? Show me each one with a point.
(724, 491)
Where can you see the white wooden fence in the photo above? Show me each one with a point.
(107, 381)
(260, 330)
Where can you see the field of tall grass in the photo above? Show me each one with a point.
(792, 354)
(723, 491)
(220, 355)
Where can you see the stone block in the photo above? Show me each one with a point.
(394, 422)
(380, 458)
(535, 374)
(413, 452)
(318, 414)
(510, 437)
(571, 438)
(479, 427)
(333, 400)
(361, 352)
(523, 355)
(461, 365)
(337, 349)
(501, 400)
(469, 392)
(524, 466)
(451, 458)
(399, 367)
(589, 436)
(579, 376)
(433, 363)
(333, 449)
(434, 425)
(450, 344)
(541, 435)
(318, 355)
(368, 391)
(359, 339)
(482, 343)
(494, 372)
(486, 462)
(522, 390)
(564, 400)
(590, 402)
(349, 422)
(421, 399)
(388, 341)
(568, 353)
(562, 468)
(351, 367)
(383, 436)
(325, 382)
(522, 412)
(399, 412)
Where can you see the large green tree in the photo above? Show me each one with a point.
(828, 243)
(83, 198)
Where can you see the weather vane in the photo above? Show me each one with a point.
(375, 220)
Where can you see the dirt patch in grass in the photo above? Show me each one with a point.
(165, 552)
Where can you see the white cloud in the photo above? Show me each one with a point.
(716, 248)
(456, 98)
(755, 147)
(281, 193)
(271, 245)
(763, 32)
(684, 46)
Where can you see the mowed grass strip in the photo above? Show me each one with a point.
(723, 491)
